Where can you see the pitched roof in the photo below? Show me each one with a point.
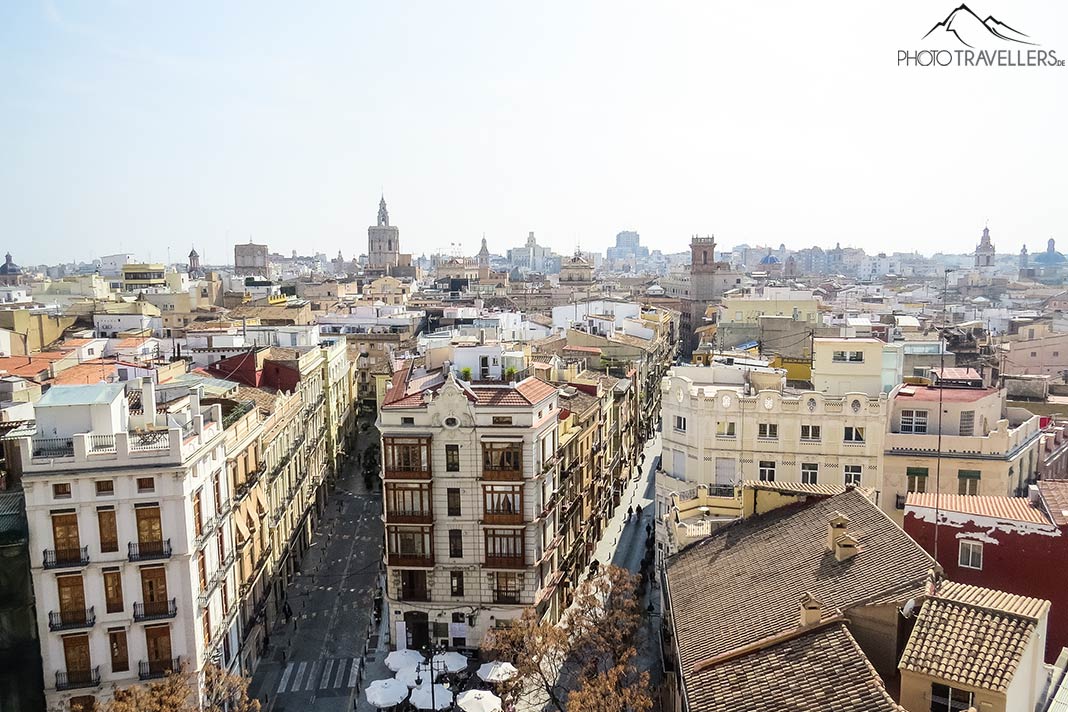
(749, 575)
(1016, 509)
(1055, 495)
(802, 488)
(972, 635)
(820, 670)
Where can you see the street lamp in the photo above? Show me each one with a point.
(430, 651)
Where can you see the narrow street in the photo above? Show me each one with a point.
(314, 661)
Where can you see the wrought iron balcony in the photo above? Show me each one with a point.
(155, 669)
(75, 679)
(155, 610)
(149, 550)
(71, 619)
(67, 557)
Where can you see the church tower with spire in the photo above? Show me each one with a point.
(984, 252)
(194, 265)
(383, 243)
(483, 260)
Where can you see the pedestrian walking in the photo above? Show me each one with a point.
(638, 511)
(630, 513)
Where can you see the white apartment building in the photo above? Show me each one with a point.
(723, 425)
(978, 446)
(131, 554)
(841, 366)
(470, 481)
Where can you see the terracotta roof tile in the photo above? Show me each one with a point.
(971, 635)
(1016, 509)
(749, 575)
(1055, 495)
(818, 671)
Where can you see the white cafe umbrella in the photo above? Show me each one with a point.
(408, 676)
(449, 662)
(497, 671)
(402, 659)
(478, 701)
(386, 693)
(421, 697)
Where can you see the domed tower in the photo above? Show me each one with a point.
(10, 273)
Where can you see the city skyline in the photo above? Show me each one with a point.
(146, 128)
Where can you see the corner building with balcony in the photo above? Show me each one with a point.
(127, 501)
(469, 481)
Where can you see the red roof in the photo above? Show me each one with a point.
(584, 349)
(396, 391)
(948, 395)
(407, 391)
(1017, 509)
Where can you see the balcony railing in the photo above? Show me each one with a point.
(414, 594)
(407, 473)
(409, 516)
(496, 475)
(420, 560)
(75, 679)
(104, 442)
(53, 447)
(155, 610)
(498, 517)
(149, 550)
(71, 619)
(516, 561)
(155, 669)
(506, 597)
(64, 558)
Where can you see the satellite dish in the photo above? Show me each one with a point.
(908, 608)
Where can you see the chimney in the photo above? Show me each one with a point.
(836, 527)
(148, 401)
(845, 547)
(811, 610)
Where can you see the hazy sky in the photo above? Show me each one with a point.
(142, 126)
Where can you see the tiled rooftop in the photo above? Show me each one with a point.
(1016, 509)
(972, 635)
(820, 670)
(748, 576)
(1055, 495)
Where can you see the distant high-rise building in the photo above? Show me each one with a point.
(383, 242)
(628, 246)
(250, 260)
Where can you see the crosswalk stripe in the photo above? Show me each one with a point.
(327, 670)
(352, 673)
(311, 677)
(285, 677)
(340, 671)
(299, 676)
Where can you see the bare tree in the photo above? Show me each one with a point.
(220, 692)
(592, 650)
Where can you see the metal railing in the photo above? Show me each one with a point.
(506, 597)
(155, 669)
(53, 447)
(148, 550)
(71, 619)
(155, 610)
(150, 440)
(61, 558)
(74, 679)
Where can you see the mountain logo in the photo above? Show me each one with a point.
(971, 31)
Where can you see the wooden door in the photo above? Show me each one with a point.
(149, 528)
(154, 584)
(76, 653)
(71, 599)
(65, 532)
(158, 641)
